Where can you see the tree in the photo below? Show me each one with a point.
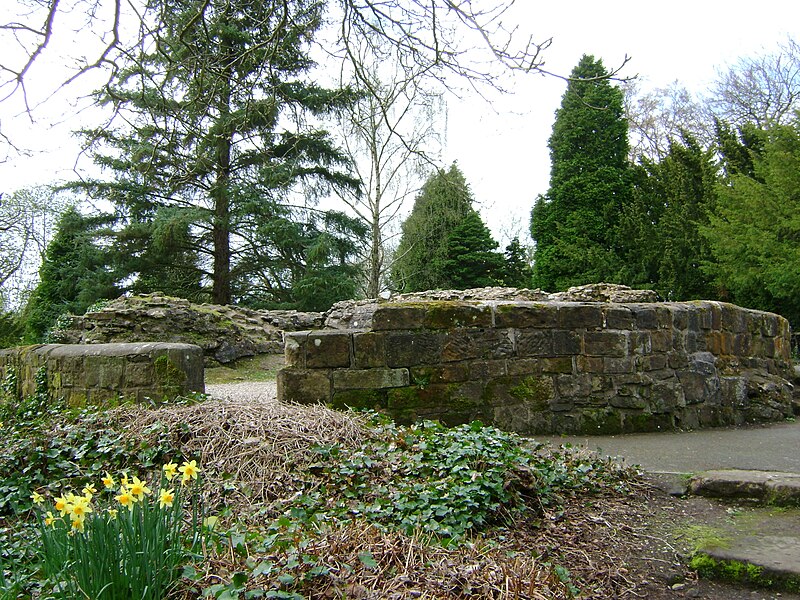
(754, 233)
(517, 270)
(659, 116)
(761, 90)
(470, 257)
(442, 205)
(660, 227)
(387, 136)
(73, 276)
(219, 112)
(574, 224)
(27, 222)
(303, 260)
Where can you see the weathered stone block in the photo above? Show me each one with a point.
(469, 344)
(294, 348)
(304, 386)
(733, 318)
(573, 386)
(369, 350)
(412, 349)
(628, 401)
(661, 340)
(618, 317)
(398, 317)
(524, 366)
(589, 364)
(566, 342)
(561, 364)
(580, 316)
(645, 316)
(449, 373)
(139, 374)
(640, 342)
(605, 343)
(328, 349)
(534, 342)
(526, 316)
(486, 369)
(355, 379)
(534, 393)
(452, 315)
(624, 364)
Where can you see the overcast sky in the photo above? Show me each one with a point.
(502, 147)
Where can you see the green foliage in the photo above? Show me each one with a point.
(470, 257)
(74, 274)
(660, 227)
(754, 233)
(442, 205)
(575, 224)
(517, 271)
(12, 329)
(220, 113)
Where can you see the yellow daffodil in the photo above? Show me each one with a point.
(112, 513)
(126, 499)
(89, 491)
(80, 508)
(189, 471)
(37, 498)
(139, 489)
(49, 519)
(62, 505)
(124, 480)
(108, 481)
(77, 525)
(170, 470)
(166, 498)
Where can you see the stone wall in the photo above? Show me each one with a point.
(225, 333)
(548, 367)
(103, 374)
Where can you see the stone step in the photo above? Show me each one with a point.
(769, 561)
(767, 487)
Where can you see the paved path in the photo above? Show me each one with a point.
(766, 448)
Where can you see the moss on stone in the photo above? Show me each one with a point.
(600, 421)
(169, 377)
(360, 399)
(535, 392)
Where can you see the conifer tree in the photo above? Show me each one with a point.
(471, 260)
(575, 224)
(442, 205)
(516, 272)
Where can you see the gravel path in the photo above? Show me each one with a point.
(248, 390)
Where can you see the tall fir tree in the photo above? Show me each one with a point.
(517, 271)
(218, 105)
(442, 205)
(75, 274)
(471, 258)
(663, 248)
(755, 228)
(575, 224)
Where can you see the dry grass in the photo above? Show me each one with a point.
(259, 445)
(263, 448)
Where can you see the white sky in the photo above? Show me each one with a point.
(502, 147)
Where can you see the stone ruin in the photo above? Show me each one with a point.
(225, 333)
(597, 359)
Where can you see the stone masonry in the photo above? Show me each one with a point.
(104, 374)
(548, 367)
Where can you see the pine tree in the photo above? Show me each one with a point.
(218, 104)
(662, 245)
(74, 275)
(755, 228)
(517, 271)
(442, 205)
(575, 224)
(471, 260)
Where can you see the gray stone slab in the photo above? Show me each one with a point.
(777, 555)
(766, 486)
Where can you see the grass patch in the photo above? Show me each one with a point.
(263, 367)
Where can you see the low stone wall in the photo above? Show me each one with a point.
(549, 367)
(225, 333)
(99, 374)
